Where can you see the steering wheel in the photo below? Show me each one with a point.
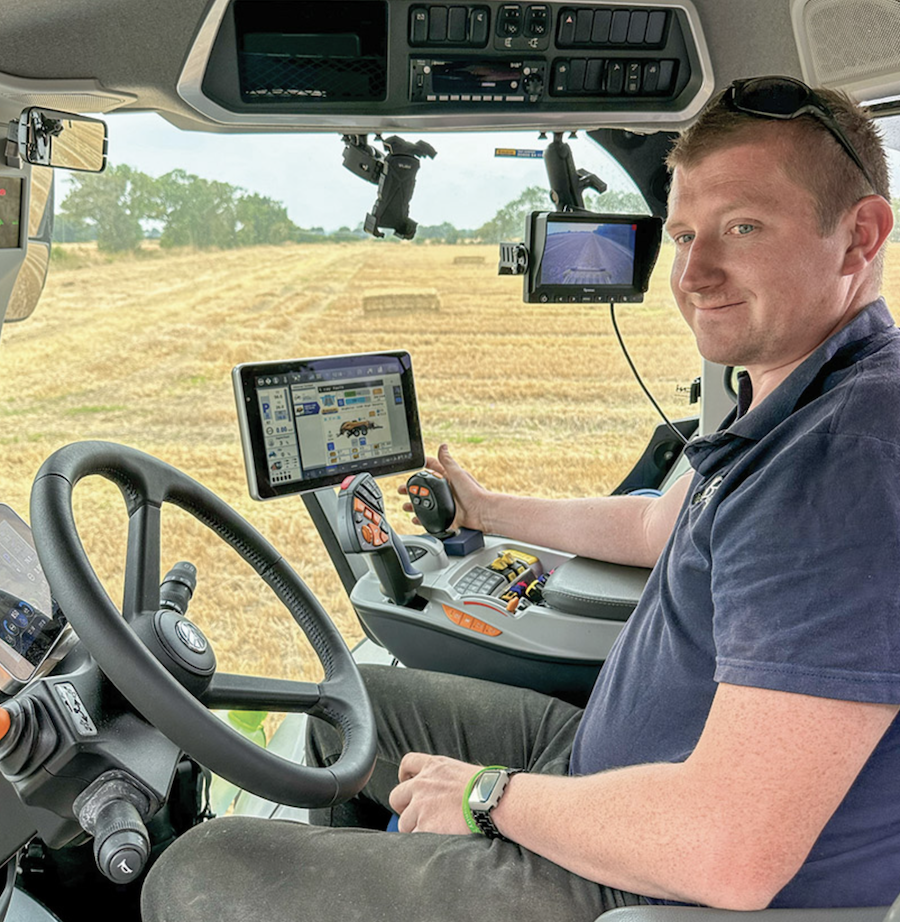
(179, 708)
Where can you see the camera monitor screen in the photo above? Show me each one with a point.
(309, 423)
(590, 257)
(591, 253)
(30, 620)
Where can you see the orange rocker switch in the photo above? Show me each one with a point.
(5, 722)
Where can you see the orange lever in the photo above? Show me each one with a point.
(5, 722)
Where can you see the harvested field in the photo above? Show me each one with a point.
(532, 398)
(401, 301)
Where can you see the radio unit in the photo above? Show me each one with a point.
(476, 80)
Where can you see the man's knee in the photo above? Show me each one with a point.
(195, 877)
(238, 869)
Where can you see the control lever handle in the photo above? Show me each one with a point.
(433, 502)
(112, 810)
(363, 529)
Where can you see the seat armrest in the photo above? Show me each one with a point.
(697, 914)
(595, 589)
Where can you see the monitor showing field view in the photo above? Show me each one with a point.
(592, 253)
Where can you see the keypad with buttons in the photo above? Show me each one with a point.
(437, 26)
(634, 28)
(480, 581)
(612, 77)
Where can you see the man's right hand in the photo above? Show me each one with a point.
(470, 495)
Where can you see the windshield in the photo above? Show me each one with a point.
(135, 343)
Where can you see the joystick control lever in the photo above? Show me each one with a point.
(363, 529)
(113, 810)
(432, 502)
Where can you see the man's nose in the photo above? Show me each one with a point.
(700, 266)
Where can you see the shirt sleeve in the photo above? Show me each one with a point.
(806, 573)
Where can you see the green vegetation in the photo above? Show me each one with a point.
(121, 206)
(117, 207)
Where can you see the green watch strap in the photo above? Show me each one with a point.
(467, 810)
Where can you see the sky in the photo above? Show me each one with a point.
(464, 184)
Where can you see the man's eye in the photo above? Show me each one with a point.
(682, 239)
(741, 230)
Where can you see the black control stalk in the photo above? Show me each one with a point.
(363, 529)
(178, 586)
(112, 810)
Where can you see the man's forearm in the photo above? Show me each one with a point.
(628, 530)
(636, 829)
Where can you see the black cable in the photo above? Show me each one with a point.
(665, 419)
(6, 893)
(729, 384)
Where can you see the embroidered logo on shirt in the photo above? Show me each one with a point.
(706, 493)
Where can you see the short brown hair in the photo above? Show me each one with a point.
(834, 180)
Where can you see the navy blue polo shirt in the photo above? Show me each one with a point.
(782, 572)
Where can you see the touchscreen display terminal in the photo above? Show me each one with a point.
(308, 423)
(31, 622)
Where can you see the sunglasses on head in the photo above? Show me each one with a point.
(787, 98)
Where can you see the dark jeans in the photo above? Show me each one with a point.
(237, 868)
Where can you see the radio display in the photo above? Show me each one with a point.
(484, 77)
(309, 423)
(476, 80)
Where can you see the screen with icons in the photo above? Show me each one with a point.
(309, 423)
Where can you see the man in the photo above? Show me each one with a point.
(740, 748)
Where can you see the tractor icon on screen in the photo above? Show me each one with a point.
(356, 428)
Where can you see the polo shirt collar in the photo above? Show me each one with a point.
(872, 320)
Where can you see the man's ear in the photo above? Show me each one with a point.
(870, 221)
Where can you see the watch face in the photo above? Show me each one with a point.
(485, 785)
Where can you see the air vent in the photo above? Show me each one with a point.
(850, 43)
(312, 52)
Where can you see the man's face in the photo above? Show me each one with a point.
(754, 279)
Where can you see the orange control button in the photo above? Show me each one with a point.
(385, 537)
(4, 722)
(414, 490)
(453, 614)
(358, 505)
(367, 512)
(376, 518)
(367, 534)
(492, 631)
(424, 491)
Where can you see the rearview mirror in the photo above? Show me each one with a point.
(46, 137)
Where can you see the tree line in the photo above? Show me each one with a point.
(121, 206)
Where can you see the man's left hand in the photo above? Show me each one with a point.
(429, 795)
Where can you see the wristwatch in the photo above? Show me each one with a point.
(486, 792)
